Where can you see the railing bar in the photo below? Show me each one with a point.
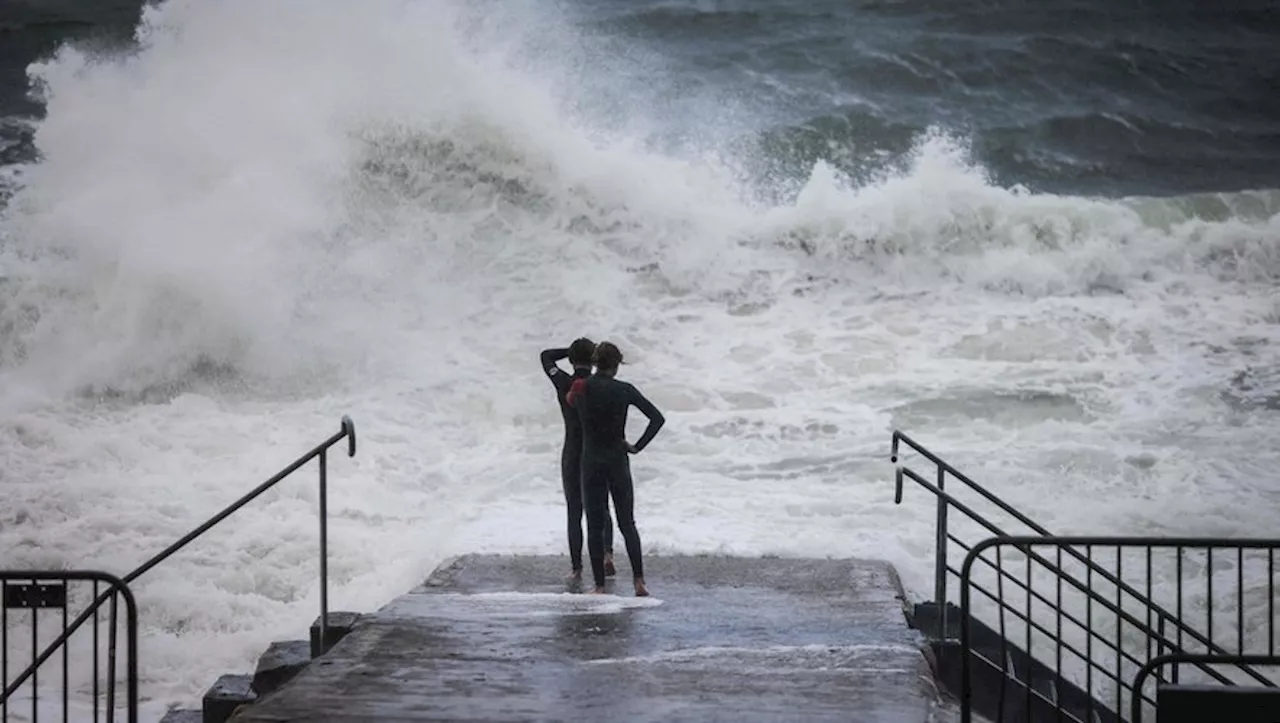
(111, 659)
(1119, 628)
(131, 645)
(1058, 666)
(966, 622)
(1208, 571)
(940, 556)
(97, 654)
(1240, 600)
(348, 430)
(1093, 595)
(324, 552)
(1151, 639)
(1087, 628)
(1004, 635)
(1035, 693)
(1195, 659)
(952, 500)
(1041, 628)
(1180, 543)
(1030, 655)
(1039, 596)
(1088, 668)
(1091, 565)
(117, 589)
(902, 469)
(965, 479)
(1182, 627)
(1271, 601)
(967, 585)
(230, 509)
(4, 648)
(66, 677)
(1081, 587)
(35, 649)
(1177, 668)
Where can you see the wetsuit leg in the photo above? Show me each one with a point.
(570, 471)
(624, 507)
(595, 500)
(608, 528)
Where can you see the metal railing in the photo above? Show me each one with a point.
(1135, 640)
(38, 590)
(1165, 626)
(320, 451)
(1200, 660)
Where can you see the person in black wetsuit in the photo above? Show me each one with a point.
(601, 402)
(579, 355)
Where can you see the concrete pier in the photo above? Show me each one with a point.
(505, 638)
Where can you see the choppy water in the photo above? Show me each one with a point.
(1044, 241)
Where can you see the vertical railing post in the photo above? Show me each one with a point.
(324, 551)
(940, 565)
(111, 656)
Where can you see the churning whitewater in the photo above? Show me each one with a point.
(268, 215)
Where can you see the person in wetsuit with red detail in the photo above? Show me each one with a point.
(601, 402)
(579, 354)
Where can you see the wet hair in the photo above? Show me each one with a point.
(581, 351)
(607, 357)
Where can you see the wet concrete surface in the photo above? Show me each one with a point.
(505, 638)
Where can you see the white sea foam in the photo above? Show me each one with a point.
(274, 214)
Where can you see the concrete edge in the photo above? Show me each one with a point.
(443, 572)
(945, 705)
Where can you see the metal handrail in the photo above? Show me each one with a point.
(1025, 542)
(116, 586)
(1074, 581)
(348, 431)
(1200, 660)
(941, 568)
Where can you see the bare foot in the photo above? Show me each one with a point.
(575, 576)
(609, 569)
(641, 590)
(597, 591)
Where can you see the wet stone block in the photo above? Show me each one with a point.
(277, 666)
(339, 626)
(226, 695)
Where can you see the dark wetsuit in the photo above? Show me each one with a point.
(602, 404)
(571, 456)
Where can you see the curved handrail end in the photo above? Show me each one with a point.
(349, 427)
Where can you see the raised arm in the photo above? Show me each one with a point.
(656, 420)
(549, 359)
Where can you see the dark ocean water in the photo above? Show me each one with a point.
(1077, 96)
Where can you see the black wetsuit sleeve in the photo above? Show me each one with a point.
(656, 420)
(549, 359)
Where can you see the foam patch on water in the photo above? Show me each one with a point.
(836, 658)
(518, 604)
